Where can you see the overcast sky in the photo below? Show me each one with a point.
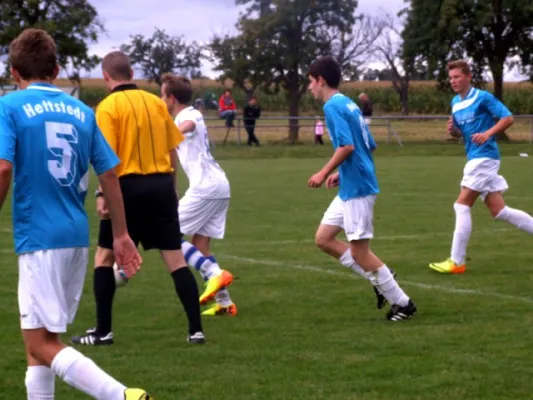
(198, 19)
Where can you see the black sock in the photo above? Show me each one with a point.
(187, 291)
(104, 291)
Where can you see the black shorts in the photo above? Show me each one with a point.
(151, 206)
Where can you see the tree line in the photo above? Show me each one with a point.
(276, 40)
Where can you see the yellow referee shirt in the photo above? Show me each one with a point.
(139, 128)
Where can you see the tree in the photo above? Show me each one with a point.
(73, 24)
(277, 41)
(490, 33)
(163, 53)
(388, 50)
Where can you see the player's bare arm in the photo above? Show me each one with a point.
(500, 126)
(174, 163)
(6, 170)
(187, 126)
(341, 154)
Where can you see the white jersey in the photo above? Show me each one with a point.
(206, 179)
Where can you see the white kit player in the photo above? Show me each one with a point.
(202, 210)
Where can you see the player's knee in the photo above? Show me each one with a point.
(322, 241)
(103, 257)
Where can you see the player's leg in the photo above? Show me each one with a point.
(513, 216)
(499, 210)
(104, 288)
(358, 220)
(203, 219)
(50, 286)
(382, 279)
(326, 239)
(474, 183)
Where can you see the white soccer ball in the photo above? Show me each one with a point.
(120, 276)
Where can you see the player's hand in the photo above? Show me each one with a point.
(126, 255)
(450, 127)
(101, 208)
(480, 138)
(317, 180)
(333, 180)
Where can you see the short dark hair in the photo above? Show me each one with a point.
(117, 65)
(327, 68)
(178, 86)
(228, 90)
(33, 55)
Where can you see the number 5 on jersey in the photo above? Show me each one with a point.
(62, 157)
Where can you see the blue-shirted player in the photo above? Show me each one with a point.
(47, 140)
(352, 210)
(474, 116)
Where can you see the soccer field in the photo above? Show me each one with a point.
(307, 327)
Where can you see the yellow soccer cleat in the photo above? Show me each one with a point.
(217, 309)
(213, 285)
(448, 267)
(136, 394)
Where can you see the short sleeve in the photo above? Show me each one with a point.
(103, 158)
(108, 127)
(496, 108)
(341, 130)
(8, 134)
(174, 135)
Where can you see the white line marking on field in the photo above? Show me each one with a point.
(313, 268)
(392, 237)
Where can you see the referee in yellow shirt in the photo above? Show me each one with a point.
(141, 131)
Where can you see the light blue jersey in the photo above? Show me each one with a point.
(50, 138)
(477, 113)
(347, 127)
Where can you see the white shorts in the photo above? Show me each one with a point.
(206, 217)
(355, 216)
(481, 175)
(50, 287)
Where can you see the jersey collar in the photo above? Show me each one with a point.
(126, 86)
(47, 87)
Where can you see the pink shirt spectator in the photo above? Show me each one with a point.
(319, 128)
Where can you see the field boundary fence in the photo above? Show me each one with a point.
(388, 128)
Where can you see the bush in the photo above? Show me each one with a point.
(424, 97)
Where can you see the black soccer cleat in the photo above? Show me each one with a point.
(92, 338)
(399, 313)
(381, 300)
(197, 338)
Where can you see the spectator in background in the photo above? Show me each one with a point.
(227, 108)
(319, 131)
(251, 113)
(366, 107)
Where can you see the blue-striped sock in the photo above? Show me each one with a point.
(194, 258)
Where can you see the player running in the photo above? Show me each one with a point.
(48, 139)
(353, 208)
(473, 117)
(203, 208)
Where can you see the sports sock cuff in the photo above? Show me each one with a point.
(503, 213)
(461, 207)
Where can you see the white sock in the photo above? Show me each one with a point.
(223, 298)
(83, 374)
(461, 235)
(40, 383)
(384, 281)
(518, 218)
(207, 266)
(347, 260)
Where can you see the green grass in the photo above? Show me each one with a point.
(307, 328)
